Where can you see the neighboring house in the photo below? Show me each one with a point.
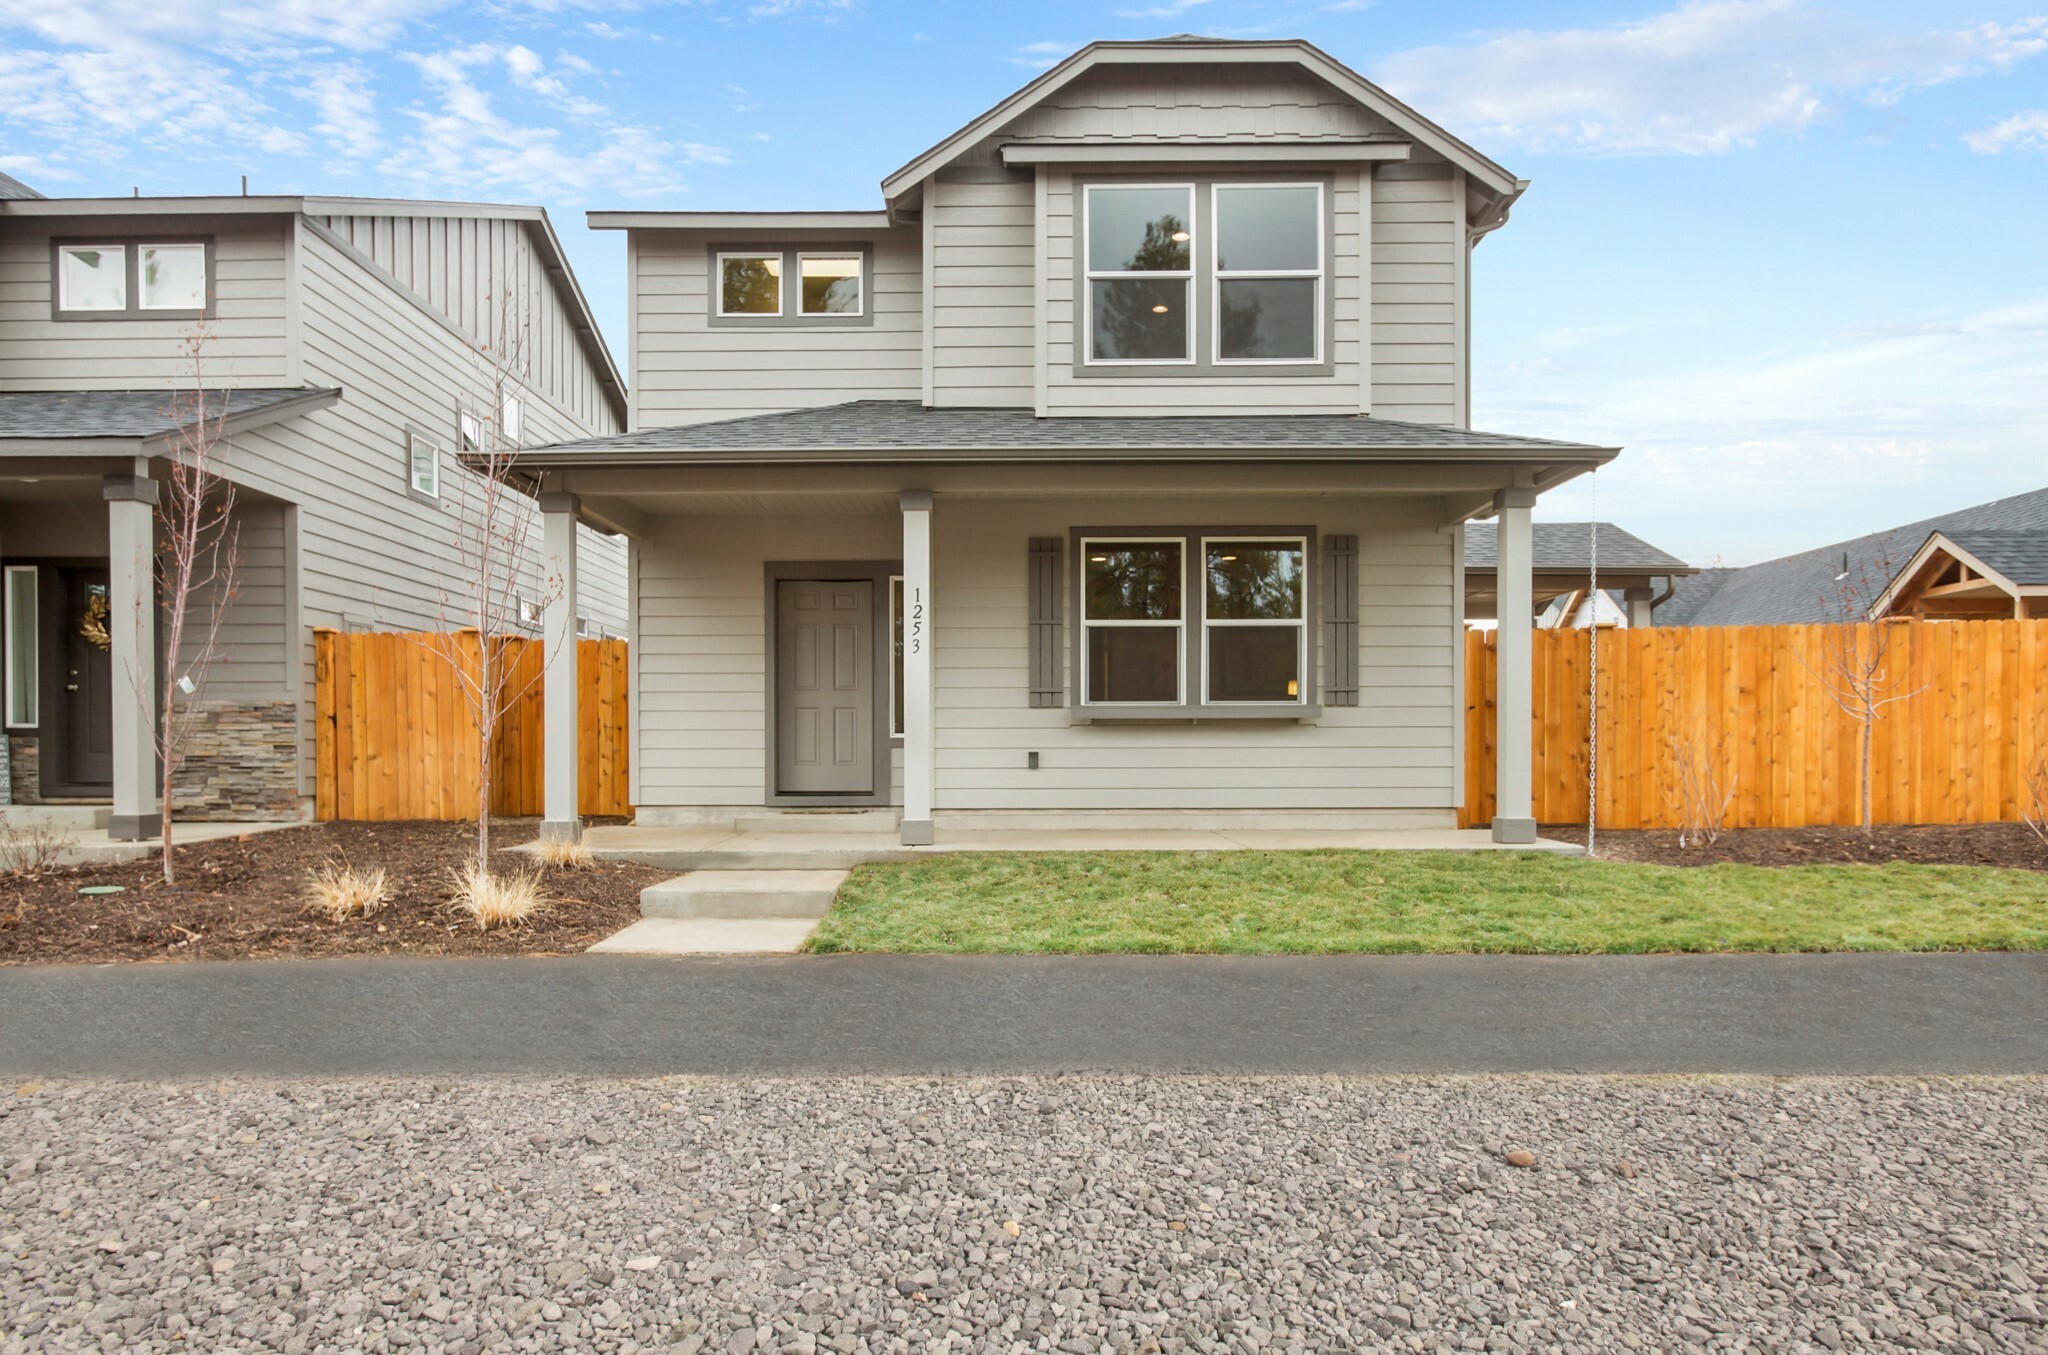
(1135, 415)
(11, 187)
(355, 345)
(1847, 577)
(1972, 575)
(1635, 574)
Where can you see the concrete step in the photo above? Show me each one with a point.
(765, 851)
(708, 936)
(743, 894)
(819, 821)
(62, 818)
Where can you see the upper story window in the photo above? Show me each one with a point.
(777, 286)
(1203, 278)
(152, 279)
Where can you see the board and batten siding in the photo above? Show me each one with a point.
(1417, 236)
(248, 346)
(686, 370)
(701, 655)
(701, 650)
(984, 345)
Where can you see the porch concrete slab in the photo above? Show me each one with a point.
(709, 936)
(94, 848)
(743, 894)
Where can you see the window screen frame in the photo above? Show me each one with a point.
(1083, 623)
(131, 247)
(1218, 275)
(792, 253)
(1301, 623)
(1194, 612)
(1203, 365)
(1090, 274)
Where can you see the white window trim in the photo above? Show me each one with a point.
(1090, 275)
(511, 420)
(34, 693)
(1179, 625)
(414, 441)
(64, 302)
(1300, 623)
(860, 278)
(895, 583)
(1217, 277)
(469, 432)
(781, 258)
(142, 285)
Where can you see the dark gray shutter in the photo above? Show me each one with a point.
(1340, 615)
(1048, 685)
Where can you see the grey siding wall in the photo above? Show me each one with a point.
(688, 371)
(248, 348)
(701, 656)
(485, 276)
(984, 340)
(702, 648)
(1417, 234)
(254, 659)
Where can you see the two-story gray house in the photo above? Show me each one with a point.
(357, 348)
(1111, 473)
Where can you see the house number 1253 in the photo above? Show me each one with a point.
(917, 620)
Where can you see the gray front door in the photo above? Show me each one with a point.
(824, 687)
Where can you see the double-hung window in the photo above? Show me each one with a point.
(1140, 272)
(1268, 272)
(1254, 619)
(1133, 621)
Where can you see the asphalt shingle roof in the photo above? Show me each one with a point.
(1567, 545)
(2022, 556)
(1802, 587)
(11, 187)
(124, 414)
(907, 425)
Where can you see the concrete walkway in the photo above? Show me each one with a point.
(1851, 1014)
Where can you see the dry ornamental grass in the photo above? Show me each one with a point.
(499, 900)
(562, 854)
(338, 891)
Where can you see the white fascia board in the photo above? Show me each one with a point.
(1186, 152)
(738, 221)
(258, 205)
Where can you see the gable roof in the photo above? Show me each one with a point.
(1185, 50)
(906, 430)
(554, 260)
(1566, 546)
(1800, 587)
(14, 189)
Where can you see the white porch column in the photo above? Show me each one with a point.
(917, 667)
(1638, 602)
(131, 630)
(1514, 809)
(559, 760)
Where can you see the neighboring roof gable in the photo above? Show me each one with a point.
(1189, 51)
(14, 189)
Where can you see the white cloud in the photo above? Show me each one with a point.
(346, 102)
(1043, 56)
(1172, 9)
(2023, 131)
(1705, 77)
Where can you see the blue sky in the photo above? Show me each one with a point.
(1789, 253)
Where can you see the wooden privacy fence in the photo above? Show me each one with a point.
(1754, 700)
(396, 738)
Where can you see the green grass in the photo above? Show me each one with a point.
(1306, 903)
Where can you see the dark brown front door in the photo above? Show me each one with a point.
(82, 708)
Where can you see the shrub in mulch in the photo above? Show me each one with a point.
(246, 897)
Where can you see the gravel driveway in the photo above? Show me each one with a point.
(1040, 1214)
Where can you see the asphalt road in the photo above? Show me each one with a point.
(1852, 1014)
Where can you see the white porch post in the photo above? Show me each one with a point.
(1638, 602)
(131, 630)
(917, 667)
(559, 761)
(1514, 809)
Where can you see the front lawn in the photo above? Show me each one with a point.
(1248, 903)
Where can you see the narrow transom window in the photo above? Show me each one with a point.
(423, 464)
(1140, 247)
(750, 284)
(831, 284)
(1132, 621)
(23, 641)
(1254, 619)
(173, 277)
(92, 278)
(1269, 272)
(896, 661)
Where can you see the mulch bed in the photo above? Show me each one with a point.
(1968, 844)
(241, 899)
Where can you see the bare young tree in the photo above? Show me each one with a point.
(196, 563)
(486, 609)
(1696, 761)
(2034, 795)
(1855, 664)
